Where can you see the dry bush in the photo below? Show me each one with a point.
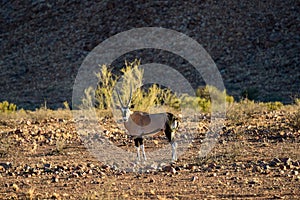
(7, 144)
(131, 80)
(145, 99)
(103, 93)
(295, 115)
(6, 107)
(239, 112)
(274, 105)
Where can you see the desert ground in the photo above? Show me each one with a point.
(256, 156)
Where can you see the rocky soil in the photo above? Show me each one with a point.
(256, 157)
(255, 44)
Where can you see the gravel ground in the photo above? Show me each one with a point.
(255, 44)
(256, 157)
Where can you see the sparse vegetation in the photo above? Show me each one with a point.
(6, 107)
(296, 119)
(103, 93)
(60, 145)
(146, 98)
(274, 105)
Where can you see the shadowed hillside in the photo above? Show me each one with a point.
(255, 44)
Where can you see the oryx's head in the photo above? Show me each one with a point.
(125, 108)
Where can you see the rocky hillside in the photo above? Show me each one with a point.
(255, 44)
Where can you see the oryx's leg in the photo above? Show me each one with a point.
(171, 138)
(174, 150)
(143, 151)
(138, 142)
(170, 129)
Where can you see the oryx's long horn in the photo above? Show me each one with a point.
(120, 100)
(130, 96)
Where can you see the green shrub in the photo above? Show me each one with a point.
(133, 81)
(7, 107)
(87, 100)
(132, 78)
(274, 105)
(103, 93)
(147, 98)
(196, 103)
(170, 99)
(66, 105)
(297, 101)
(210, 92)
(239, 112)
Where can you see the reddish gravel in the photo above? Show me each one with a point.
(257, 157)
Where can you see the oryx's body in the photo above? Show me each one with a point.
(140, 124)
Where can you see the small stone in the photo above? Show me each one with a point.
(90, 165)
(294, 172)
(74, 175)
(253, 181)
(194, 178)
(277, 197)
(6, 165)
(275, 162)
(208, 169)
(257, 169)
(151, 180)
(47, 165)
(296, 163)
(15, 187)
(54, 179)
(212, 165)
(170, 169)
(267, 167)
(192, 167)
(282, 167)
(155, 142)
(177, 168)
(55, 196)
(287, 161)
(281, 172)
(152, 192)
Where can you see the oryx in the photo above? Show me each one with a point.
(140, 124)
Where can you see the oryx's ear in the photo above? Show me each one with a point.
(118, 107)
